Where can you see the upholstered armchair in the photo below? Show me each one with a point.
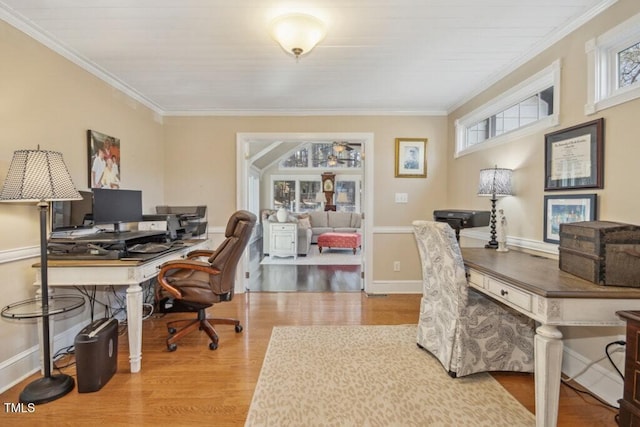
(193, 284)
(467, 331)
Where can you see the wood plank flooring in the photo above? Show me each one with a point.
(195, 385)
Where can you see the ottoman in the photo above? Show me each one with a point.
(339, 240)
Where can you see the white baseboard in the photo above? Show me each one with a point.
(395, 287)
(22, 365)
(601, 382)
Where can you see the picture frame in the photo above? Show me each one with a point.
(566, 208)
(104, 160)
(574, 157)
(411, 158)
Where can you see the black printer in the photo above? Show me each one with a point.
(459, 219)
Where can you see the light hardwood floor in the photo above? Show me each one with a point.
(195, 385)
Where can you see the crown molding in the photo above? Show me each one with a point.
(540, 47)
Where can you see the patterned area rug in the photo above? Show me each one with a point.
(314, 257)
(370, 376)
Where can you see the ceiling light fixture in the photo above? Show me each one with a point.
(297, 33)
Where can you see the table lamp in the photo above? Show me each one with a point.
(320, 198)
(495, 182)
(41, 176)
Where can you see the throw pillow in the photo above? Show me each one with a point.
(303, 222)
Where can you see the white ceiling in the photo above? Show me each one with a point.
(379, 56)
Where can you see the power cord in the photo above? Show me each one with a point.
(606, 350)
(582, 391)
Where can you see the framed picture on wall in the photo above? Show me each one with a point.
(104, 160)
(411, 158)
(561, 209)
(573, 157)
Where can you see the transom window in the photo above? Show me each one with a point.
(614, 66)
(322, 155)
(629, 65)
(526, 108)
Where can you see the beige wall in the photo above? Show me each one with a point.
(48, 101)
(212, 144)
(618, 200)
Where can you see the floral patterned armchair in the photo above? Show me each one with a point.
(467, 331)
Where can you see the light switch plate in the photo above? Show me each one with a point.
(402, 198)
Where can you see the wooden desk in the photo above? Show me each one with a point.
(536, 287)
(129, 273)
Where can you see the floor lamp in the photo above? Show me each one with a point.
(42, 177)
(495, 182)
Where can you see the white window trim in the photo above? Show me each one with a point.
(602, 75)
(549, 76)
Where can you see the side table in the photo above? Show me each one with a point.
(49, 387)
(283, 239)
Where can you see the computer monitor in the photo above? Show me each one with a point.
(116, 206)
(72, 214)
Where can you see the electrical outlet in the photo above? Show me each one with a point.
(396, 265)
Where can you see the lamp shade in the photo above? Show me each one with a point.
(297, 33)
(38, 175)
(495, 182)
(320, 197)
(342, 197)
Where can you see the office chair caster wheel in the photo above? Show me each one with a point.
(238, 329)
(171, 331)
(213, 346)
(172, 347)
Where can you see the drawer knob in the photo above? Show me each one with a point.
(503, 292)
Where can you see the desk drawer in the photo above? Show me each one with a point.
(508, 293)
(476, 278)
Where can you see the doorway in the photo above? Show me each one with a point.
(248, 145)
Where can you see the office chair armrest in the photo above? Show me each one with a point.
(206, 253)
(178, 264)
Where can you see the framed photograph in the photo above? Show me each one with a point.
(566, 208)
(411, 157)
(104, 160)
(573, 157)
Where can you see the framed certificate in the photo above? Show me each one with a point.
(573, 157)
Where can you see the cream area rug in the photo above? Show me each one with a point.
(314, 257)
(371, 376)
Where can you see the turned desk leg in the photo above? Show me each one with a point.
(134, 326)
(548, 368)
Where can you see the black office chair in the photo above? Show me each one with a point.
(192, 285)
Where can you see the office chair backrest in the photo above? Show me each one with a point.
(227, 255)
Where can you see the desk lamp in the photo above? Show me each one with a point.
(41, 176)
(495, 183)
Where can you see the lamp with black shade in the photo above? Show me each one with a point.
(41, 176)
(495, 182)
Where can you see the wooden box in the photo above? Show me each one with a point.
(603, 252)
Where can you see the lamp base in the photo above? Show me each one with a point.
(47, 389)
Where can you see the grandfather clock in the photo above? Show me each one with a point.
(328, 187)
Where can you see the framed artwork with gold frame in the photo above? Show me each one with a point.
(411, 158)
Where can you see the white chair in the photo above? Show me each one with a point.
(465, 330)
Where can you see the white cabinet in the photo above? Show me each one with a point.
(283, 239)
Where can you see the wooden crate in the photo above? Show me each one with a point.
(583, 252)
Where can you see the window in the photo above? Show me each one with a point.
(524, 109)
(321, 155)
(347, 197)
(296, 194)
(614, 66)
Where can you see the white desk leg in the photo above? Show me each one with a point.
(134, 326)
(548, 367)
